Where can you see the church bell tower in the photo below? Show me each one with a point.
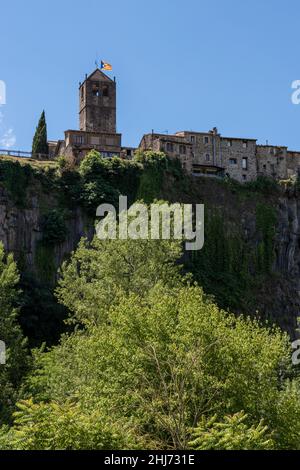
(97, 103)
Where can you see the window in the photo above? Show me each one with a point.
(170, 147)
(229, 143)
(244, 177)
(206, 140)
(232, 161)
(96, 89)
(192, 139)
(105, 91)
(264, 167)
(94, 140)
(182, 149)
(207, 157)
(245, 163)
(245, 144)
(79, 139)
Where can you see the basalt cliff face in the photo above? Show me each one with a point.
(250, 261)
(260, 219)
(287, 258)
(22, 232)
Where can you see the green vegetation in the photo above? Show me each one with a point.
(223, 266)
(40, 141)
(265, 221)
(154, 364)
(10, 332)
(54, 227)
(229, 266)
(262, 185)
(45, 262)
(150, 355)
(16, 179)
(231, 434)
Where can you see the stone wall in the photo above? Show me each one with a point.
(239, 159)
(271, 161)
(205, 147)
(172, 145)
(293, 163)
(97, 104)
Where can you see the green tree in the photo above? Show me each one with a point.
(163, 361)
(232, 433)
(100, 271)
(10, 333)
(53, 426)
(157, 354)
(40, 142)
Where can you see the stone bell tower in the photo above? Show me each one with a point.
(97, 103)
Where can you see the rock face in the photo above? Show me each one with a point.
(287, 263)
(21, 231)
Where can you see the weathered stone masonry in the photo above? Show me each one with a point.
(200, 153)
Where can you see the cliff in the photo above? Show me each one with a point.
(251, 258)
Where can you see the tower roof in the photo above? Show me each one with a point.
(98, 75)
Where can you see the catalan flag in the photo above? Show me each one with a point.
(105, 66)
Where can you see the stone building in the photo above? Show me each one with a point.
(271, 161)
(174, 146)
(200, 153)
(97, 122)
(211, 154)
(293, 163)
(219, 156)
(207, 153)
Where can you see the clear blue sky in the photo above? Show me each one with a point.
(180, 65)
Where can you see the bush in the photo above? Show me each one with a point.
(232, 433)
(54, 228)
(262, 184)
(51, 426)
(16, 179)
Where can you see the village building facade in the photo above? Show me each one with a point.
(200, 153)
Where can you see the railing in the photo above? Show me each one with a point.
(15, 153)
(21, 154)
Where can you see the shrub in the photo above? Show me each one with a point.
(54, 227)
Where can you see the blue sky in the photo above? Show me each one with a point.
(180, 65)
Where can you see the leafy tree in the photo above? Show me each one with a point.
(232, 433)
(54, 227)
(10, 333)
(51, 426)
(157, 354)
(160, 355)
(101, 270)
(164, 360)
(40, 142)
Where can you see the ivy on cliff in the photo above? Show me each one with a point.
(265, 223)
(16, 178)
(222, 267)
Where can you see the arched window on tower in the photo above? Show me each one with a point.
(96, 89)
